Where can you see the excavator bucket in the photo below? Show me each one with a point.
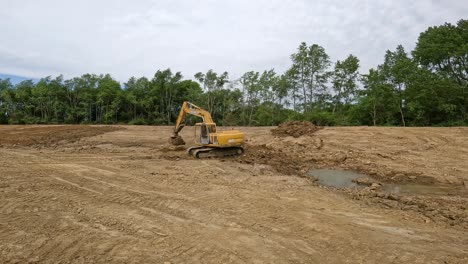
(176, 140)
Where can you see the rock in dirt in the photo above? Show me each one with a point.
(375, 186)
(295, 129)
(365, 181)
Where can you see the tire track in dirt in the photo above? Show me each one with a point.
(39, 248)
(90, 235)
(77, 186)
(12, 204)
(123, 196)
(192, 251)
(83, 170)
(53, 249)
(118, 181)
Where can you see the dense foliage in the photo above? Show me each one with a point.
(424, 88)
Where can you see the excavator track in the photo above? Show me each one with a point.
(207, 152)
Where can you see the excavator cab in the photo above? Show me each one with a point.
(204, 130)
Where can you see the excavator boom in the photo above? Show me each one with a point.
(189, 108)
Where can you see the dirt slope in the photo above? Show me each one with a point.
(127, 197)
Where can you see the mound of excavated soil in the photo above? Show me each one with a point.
(295, 129)
(50, 135)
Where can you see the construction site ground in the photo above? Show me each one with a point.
(122, 194)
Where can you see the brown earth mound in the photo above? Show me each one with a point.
(49, 135)
(295, 129)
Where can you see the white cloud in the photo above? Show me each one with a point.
(135, 38)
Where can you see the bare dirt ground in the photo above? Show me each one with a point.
(121, 194)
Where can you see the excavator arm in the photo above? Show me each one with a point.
(189, 108)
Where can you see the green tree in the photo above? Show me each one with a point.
(344, 80)
(375, 103)
(310, 73)
(81, 95)
(444, 51)
(25, 103)
(164, 88)
(108, 99)
(397, 69)
(211, 83)
(5, 100)
(251, 91)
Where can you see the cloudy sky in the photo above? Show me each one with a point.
(135, 38)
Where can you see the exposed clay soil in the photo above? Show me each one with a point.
(123, 194)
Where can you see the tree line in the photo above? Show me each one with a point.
(425, 87)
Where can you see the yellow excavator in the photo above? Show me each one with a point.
(209, 142)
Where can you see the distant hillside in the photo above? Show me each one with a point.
(14, 79)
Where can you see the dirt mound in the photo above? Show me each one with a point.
(295, 129)
(49, 135)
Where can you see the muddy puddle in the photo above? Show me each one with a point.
(419, 189)
(347, 179)
(337, 178)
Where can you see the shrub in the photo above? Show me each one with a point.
(137, 121)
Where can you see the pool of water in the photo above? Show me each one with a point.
(344, 179)
(420, 189)
(337, 178)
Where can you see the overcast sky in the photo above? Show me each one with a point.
(135, 38)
